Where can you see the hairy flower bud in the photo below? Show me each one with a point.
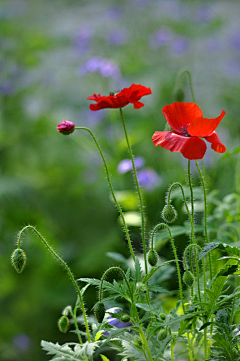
(152, 257)
(18, 259)
(142, 287)
(63, 324)
(188, 278)
(100, 311)
(162, 334)
(125, 318)
(178, 95)
(66, 127)
(169, 213)
(162, 316)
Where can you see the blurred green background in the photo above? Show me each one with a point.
(53, 55)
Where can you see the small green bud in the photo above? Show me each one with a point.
(162, 334)
(100, 311)
(138, 340)
(63, 324)
(152, 257)
(142, 287)
(169, 213)
(125, 318)
(18, 259)
(188, 278)
(162, 316)
(178, 95)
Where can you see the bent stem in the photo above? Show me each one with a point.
(180, 76)
(112, 191)
(138, 190)
(69, 272)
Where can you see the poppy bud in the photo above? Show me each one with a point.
(100, 311)
(66, 127)
(188, 278)
(18, 259)
(178, 95)
(63, 324)
(162, 316)
(169, 213)
(125, 318)
(152, 257)
(162, 334)
(141, 287)
(138, 340)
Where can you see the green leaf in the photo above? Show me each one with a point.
(138, 271)
(223, 246)
(98, 335)
(153, 270)
(104, 358)
(158, 289)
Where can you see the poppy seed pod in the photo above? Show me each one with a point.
(125, 318)
(18, 259)
(100, 311)
(162, 334)
(162, 316)
(169, 213)
(188, 278)
(63, 324)
(152, 257)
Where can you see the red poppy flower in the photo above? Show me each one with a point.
(128, 95)
(188, 124)
(66, 127)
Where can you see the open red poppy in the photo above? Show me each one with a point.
(188, 124)
(128, 95)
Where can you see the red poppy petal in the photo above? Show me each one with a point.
(216, 143)
(180, 115)
(190, 147)
(95, 97)
(203, 127)
(135, 92)
(138, 105)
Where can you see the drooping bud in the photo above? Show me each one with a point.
(66, 127)
(18, 259)
(162, 316)
(63, 324)
(188, 278)
(178, 95)
(152, 257)
(125, 318)
(142, 287)
(162, 334)
(169, 213)
(100, 311)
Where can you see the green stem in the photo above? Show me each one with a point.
(181, 74)
(115, 268)
(176, 258)
(69, 272)
(74, 316)
(144, 341)
(205, 214)
(112, 191)
(138, 190)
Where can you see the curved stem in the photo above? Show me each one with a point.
(205, 214)
(69, 272)
(187, 72)
(112, 191)
(115, 268)
(176, 258)
(74, 316)
(138, 190)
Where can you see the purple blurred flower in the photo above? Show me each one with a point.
(232, 68)
(21, 341)
(117, 37)
(106, 67)
(93, 117)
(114, 12)
(149, 179)
(235, 41)
(126, 164)
(140, 3)
(6, 88)
(116, 322)
(180, 45)
(212, 45)
(83, 39)
(204, 14)
(160, 37)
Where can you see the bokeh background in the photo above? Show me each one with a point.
(53, 55)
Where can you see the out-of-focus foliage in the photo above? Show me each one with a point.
(54, 54)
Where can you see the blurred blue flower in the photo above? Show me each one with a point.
(116, 322)
(140, 3)
(204, 14)
(117, 37)
(92, 117)
(6, 88)
(83, 40)
(21, 341)
(126, 164)
(232, 68)
(115, 12)
(149, 179)
(160, 37)
(235, 41)
(106, 67)
(212, 45)
(180, 45)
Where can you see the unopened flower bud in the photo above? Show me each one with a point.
(100, 311)
(152, 257)
(188, 278)
(66, 127)
(162, 316)
(18, 259)
(63, 324)
(142, 287)
(178, 95)
(169, 213)
(162, 334)
(125, 318)
(138, 340)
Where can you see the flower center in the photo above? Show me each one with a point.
(185, 132)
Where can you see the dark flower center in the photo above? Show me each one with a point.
(185, 132)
